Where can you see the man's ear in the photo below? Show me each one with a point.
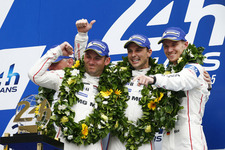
(149, 52)
(107, 61)
(186, 44)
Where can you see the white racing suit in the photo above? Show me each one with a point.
(188, 132)
(83, 108)
(53, 80)
(80, 43)
(133, 112)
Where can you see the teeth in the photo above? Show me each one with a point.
(171, 54)
(136, 60)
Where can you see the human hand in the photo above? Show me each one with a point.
(83, 25)
(207, 78)
(144, 80)
(66, 48)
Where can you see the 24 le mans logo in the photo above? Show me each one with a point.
(7, 83)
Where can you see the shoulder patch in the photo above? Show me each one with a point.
(194, 68)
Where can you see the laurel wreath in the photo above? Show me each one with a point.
(95, 126)
(90, 130)
(159, 106)
(191, 54)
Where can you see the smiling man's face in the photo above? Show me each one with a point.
(138, 56)
(174, 49)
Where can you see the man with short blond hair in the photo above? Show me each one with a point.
(188, 132)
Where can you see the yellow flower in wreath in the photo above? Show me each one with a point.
(64, 119)
(117, 124)
(37, 110)
(167, 72)
(123, 68)
(179, 60)
(70, 81)
(84, 130)
(152, 105)
(110, 91)
(104, 117)
(40, 127)
(159, 98)
(118, 92)
(106, 94)
(148, 129)
(77, 64)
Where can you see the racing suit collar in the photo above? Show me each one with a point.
(140, 72)
(91, 79)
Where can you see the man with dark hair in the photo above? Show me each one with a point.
(96, 57)
(139, 51)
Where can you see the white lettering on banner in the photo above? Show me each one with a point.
(162, 17)
(4, 9)
(120, 26)
(216, 62)
(213, 78)
(13, 73)
(196, 12)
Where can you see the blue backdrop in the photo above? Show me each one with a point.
(28, 28)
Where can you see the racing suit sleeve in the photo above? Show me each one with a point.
(80, 43)
(188, 78)
(39, 73)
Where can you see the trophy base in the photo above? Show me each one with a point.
(31, 141)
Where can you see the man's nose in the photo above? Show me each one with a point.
(133, 54)
(91, 61)
(170, 49)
